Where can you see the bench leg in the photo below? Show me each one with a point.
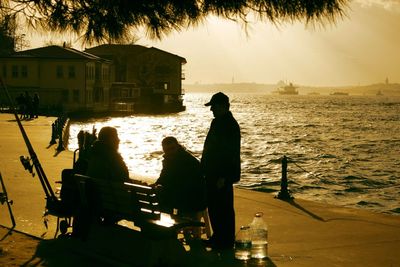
(62, 225)
(197, 232)
(203, 215)
(57, 227)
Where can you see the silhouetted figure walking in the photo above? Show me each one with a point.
(28, 106)
(21, 105)
(221, 165)
(35, 105)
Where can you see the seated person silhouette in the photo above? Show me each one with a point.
(106, 163)
(181, 180)
(104, 160)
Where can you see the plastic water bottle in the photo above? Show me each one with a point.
(259, 237)
(243, 243)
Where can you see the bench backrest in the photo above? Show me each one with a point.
(128, 200)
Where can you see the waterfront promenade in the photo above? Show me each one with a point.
(301, 233)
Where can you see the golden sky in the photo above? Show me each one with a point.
(363, 48)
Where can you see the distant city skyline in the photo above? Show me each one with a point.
(362, 48)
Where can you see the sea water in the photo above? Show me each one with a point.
(341, 150)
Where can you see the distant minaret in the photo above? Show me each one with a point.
(387, 81)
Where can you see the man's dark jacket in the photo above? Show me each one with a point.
(221, 153)
(106, 163)
(182, 182)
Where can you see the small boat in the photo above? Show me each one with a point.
(288, 90)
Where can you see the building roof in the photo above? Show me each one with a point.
(54, 52)
(112, 49)
(159, 50)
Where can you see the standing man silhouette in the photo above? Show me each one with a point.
(221, 166)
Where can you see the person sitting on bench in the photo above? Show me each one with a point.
(181, 180)
(105, 162)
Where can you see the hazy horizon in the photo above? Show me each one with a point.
(360, 49)
(386, 90)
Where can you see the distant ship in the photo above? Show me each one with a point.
(288, 90)
(339, 93)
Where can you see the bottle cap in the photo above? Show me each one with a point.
(259, 214)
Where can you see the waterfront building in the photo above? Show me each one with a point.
(104, 79)
(67, 80)
(146, 79)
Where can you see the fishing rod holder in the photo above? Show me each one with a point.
(5, 200)
(284, 194)
(28, 164)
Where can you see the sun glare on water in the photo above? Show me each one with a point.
(140, 140)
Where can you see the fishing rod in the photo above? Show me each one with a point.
(26, 161)
(4, 199)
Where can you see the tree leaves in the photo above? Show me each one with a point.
(106, 21)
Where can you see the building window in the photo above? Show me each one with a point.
(75, 95)
(98, 94)
(135, 92)
(60, 72)
(65, 95)
(71, 72)
(163, 69)
(89, 96)
(105, 74)
(143, 69)
(162, 86)
(24, 71)
(14, 71)
(125, 92)
(89, 72)
(98, 72)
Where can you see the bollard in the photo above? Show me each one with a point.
(57, 125)
(284, 193)
(60, 140)
(53, 134)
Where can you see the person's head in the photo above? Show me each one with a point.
(170, 145)
(219, 104)
(109, 136)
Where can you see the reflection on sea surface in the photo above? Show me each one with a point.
(341, 150)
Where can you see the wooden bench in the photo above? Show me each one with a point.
(132, 202)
